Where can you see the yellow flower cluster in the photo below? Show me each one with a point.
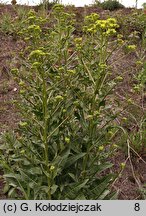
(92, 18)
(58, 8)
(78, 40)
(94, 25)
(59, 97)
(139, 63)
(78, 43)
(34, 28)
(131, 47)
(31, 13)
(36, 54)
(67, 140)
(110, 23)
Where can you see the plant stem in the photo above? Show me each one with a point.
(45, 118)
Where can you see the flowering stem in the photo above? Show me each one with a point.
(45, 132)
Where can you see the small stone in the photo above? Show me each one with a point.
(15, 89)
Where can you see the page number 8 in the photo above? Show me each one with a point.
(137, 207)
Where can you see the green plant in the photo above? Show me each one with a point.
(66, 133)
(143, 191)
(6, 20)
(97, 3)
(47, 5)
(10, 24)
(132, 23)
(111, 5)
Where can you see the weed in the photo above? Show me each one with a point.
(61, 145)
(11, 25)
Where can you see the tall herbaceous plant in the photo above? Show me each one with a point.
(61, 147)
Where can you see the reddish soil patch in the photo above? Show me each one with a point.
(8, 88)
(127, 184)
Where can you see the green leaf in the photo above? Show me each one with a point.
(72, 191)
(39, 189)
(35, 171)
(112, 196)
(6, 188)
(11, 179)
(102, 103)
(5, 165)
(102, 185)
(53, 188)
(99, 168)
(104, 194)
(81, 197)
(3, 147)
(11, 175)
(12, 192)
(61, 159)
(81, 185)
(72, 176)
(71, 160)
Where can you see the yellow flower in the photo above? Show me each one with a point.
(112, 20)
(120, 41)
(71, 71)
(131, 47)
(64, 110)
(22, 151)
(58, 8)
(35, 28)
(130, 101)
(67, 140)
(115, 146)
(21, 83)
(61, 69)
(31, 18)
(90, 117)
(123, 165)
(76, 103)
(78, 40)
(139, 63)
(110, 32)
(31, 13)
(119, 78)
(22, 91)
(36, 65)
(103, 26)
(23, 124)
(52, 168)
(119, 36)
(124, 119)
(37, 53)
(95, 16)
(102, 66)
(101, 148)
(59, 97)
